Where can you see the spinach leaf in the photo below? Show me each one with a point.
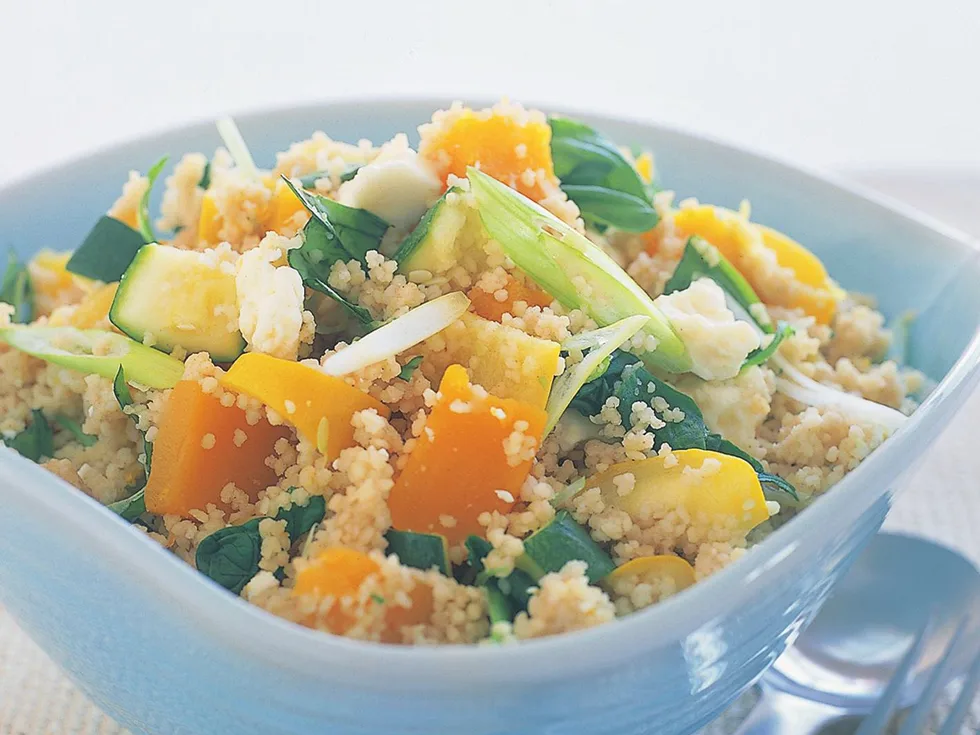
(715, 443)
(356, 231)
(409, 368)
(301, 518)
(609, 207)
(231, 556)
(315, 276)
(131, 508)
(124, 397)
(106, 251)
(776, 488)
(205, 181)
(16, 289)
(349, 172)
(701, 259)
(598, 178)
(72, 426)
(36, 440)
(143, 222)
(761, 354)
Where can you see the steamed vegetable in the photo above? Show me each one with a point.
(597, 177)
(600, 343)
(666, 573)
(473, 456)
(36, 441)
(573, 269)
(17, 291)
(153, 299)
(143, 223)
(398, 335)
(506, 595)
(488, 306)
(563, 540)
(714, 489)
(96, 352)
(200, 447)
(93, 310)
(420, 550)
(107, 250)
(438, 240)
(320, 406)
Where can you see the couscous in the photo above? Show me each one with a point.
(498, 387)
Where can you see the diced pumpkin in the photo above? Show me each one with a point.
(339, 572)
(504, 143)
(666, 573)
(320, 406)
(210, 221)
(467, 461)
(506, 361)
(716, 490)
(93, 310)
(737, 240)
(283, 208)
(53, 284)
(197, 451)
(487, 305)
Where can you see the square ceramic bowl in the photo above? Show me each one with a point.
(163, 650)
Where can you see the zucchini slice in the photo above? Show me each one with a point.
(563, 540)
(420, 550)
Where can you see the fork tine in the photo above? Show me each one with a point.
(962, 707)
(874, 724)
(915, 723)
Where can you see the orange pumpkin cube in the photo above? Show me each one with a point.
(200, 447)
(488, 306)
(472, 457)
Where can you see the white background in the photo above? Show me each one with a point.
(837, 83)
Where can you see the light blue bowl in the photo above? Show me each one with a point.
(163, 650)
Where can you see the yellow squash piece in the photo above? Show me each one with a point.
(666, 573)
(716, 490)
(738, 240)
(507, 362)
(320, 406)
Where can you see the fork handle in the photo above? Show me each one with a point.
(777, 713)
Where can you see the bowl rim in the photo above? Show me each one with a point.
(236, 621)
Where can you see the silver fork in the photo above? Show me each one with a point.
(914, 724)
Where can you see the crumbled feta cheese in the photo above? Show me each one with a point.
(716, 341)
(270, 298)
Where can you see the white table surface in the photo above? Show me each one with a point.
(943, 503)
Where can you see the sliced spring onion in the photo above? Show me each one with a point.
(571, 268)
(399, 335)
(601, 343)
(96, 352)
(236, 146)
(143, 223)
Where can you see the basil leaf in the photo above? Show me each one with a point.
(701, 259)
(72, 426)
(131, 508)
(761, 354)
(231, 556)
(107, 250)
(636, 384)
(124, 397)
(143, 222)
(409, 368)
(301, 518)
(16, 289)
(36, 440)
(300, 261)
(356, 231)
(205, 181)
(599, 179)
(609, 207)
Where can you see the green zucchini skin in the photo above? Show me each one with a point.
(420, 550)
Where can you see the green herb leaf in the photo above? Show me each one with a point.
(300, 261)
(205, 181)
(776, 488)
(36, 440)
(716, 443)
(231, 556)
(301, 518)
(761, 354)
(598, 178)
(72, 426)
(409, 368)
(124, 397)
(349, 172)
(143, 222)
(16, 289)
(131, 508)
(701, 259)
(107, 250)
(357, 231)
(609, 207)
